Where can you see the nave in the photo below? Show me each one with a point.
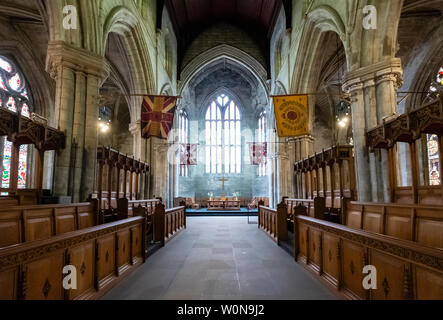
(221, 258)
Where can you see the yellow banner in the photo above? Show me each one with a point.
(292, 115)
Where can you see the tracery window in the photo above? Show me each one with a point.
(223, 136)
(14, 97)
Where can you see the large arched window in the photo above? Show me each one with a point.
(14, 97)
(223, 136)
(183, 136)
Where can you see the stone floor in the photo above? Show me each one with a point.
(220, 258)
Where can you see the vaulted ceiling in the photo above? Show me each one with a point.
(256, 17)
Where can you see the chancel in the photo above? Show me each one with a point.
(221, 150)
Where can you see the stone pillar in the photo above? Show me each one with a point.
(64, 107)
(364, 190)
(78, 132)
(79, 75)
(373, 90)
(386, 82)
(160, 169)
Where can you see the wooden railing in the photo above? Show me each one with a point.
(101, 255)
(274, 222)
(168, 223)
(175, 221)
(20, 224)
(418, 223)
(123, 208)
(148, 204)
(336, 253)
(315, 208)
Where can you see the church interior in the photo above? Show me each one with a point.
(221, 150)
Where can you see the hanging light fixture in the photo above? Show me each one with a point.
(343, 112)
(104, 119)
(343, 108)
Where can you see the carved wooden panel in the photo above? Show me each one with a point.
(65, 220)
(8, 284)
(44, 278)
(430, 195)
(430, 232)
(38, 224)
(398, 222)
(390, 277)
(303, 240)
(429, 285)
(353, 263)
(331, 256)
(82, 257)
(353, 216)
(10, 228)
(85, 217)
(315, 248)
(106, 256)
(124, 250)
(136, 244)
(373, 219)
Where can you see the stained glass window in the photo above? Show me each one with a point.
(433, 160)
(433, 90)
(184, 138)
(14, 94)
(6, 163)
(223, 136)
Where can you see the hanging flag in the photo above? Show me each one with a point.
(188, 154)
(157, 116)
(258, 153)
(292, 115)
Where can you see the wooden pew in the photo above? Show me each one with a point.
(418, 223)
(274, 222)
(20, 197)
(102, 255)
(337, 255)
(168, 223)
(28, 223)
(315, 208)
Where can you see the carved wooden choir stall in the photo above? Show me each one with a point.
(329, 175)
(118, 177)
(413, 129)
(402, 239)
(21, 130)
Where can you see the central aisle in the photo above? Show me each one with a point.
(220, 258)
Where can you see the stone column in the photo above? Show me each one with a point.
(78, 131)
(386, 82)
(373, 90)
(64, 107)
(363, 177)
(79, 75)
(91, 136)
(160, 169)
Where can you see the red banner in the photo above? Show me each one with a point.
(258, 153)
(188, 154)
(157, 116)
